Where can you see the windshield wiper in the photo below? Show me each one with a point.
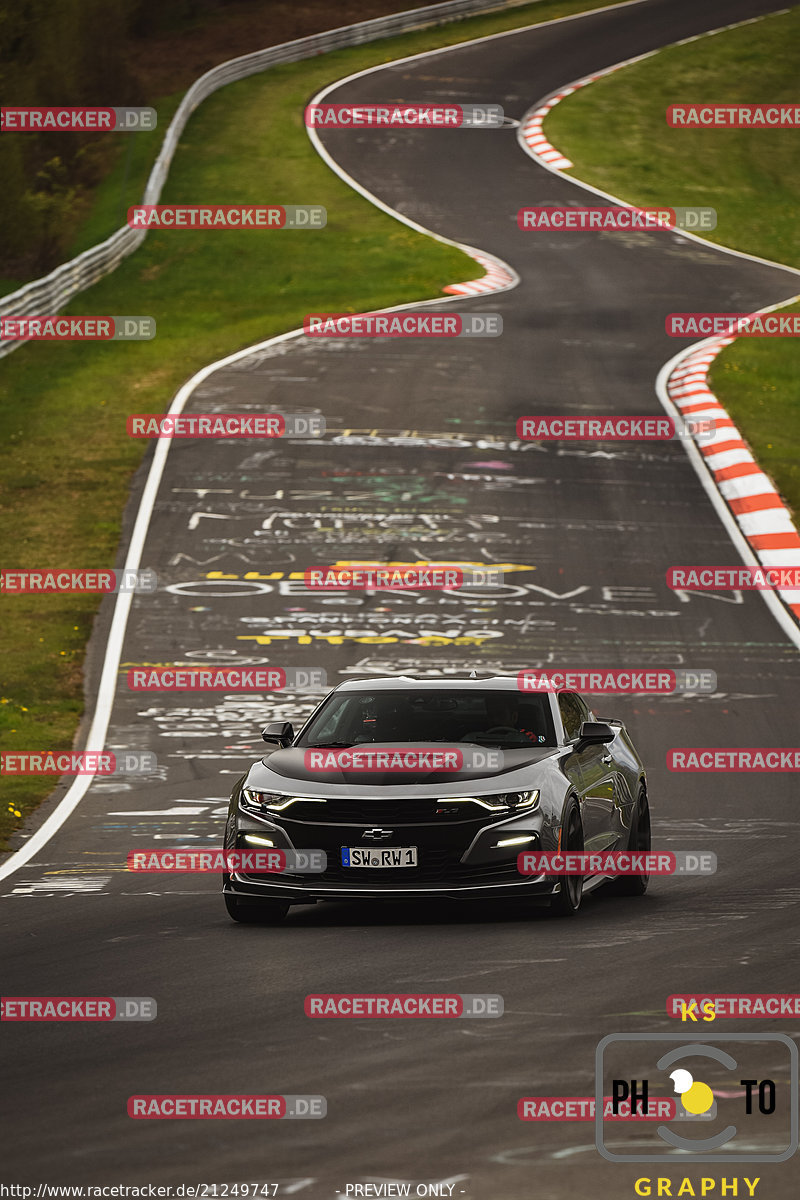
(338, 745)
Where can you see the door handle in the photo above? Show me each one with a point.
(605, 758)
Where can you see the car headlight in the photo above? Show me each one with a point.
(516, 800)
(273, 802)
(507, 801)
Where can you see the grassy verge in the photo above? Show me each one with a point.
(615, 132)
(66, 470)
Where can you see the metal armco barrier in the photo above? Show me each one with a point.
(50, 293)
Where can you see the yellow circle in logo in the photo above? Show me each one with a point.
(698, 1098)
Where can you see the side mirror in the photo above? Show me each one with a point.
(279, 732)
(595, 733)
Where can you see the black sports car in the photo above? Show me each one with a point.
(427, 787)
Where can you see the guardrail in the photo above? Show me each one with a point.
(50, 293)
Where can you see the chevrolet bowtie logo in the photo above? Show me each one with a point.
(377, 835)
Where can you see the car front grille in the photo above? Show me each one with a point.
(380, 811)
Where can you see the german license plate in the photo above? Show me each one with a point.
(387, 856)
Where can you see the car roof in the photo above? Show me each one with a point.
(385, 683)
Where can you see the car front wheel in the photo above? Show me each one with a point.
(567, 899)
(638, 841)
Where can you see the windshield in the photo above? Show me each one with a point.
(490, 718)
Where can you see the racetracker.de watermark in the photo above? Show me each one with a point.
(614, 219)
(227, 679)
(225, 1107)
(403, 116)
(734, 1004)
(227, 216)
(225, 425)
(611, 428)
(403, 325)
(70, 119)
(720, 758)
(726, 579)
(623, 681)
(78, 329)
(581, 1108)
(369, 759)
(73, 762)
(191, 861)
(617, 862)
(78, 1008)
(734, 116)
(403, 1004)
(81, 581)
(397, 578)
(700, 324)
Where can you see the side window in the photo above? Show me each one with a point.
(573, 713)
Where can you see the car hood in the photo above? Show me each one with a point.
(285, 769)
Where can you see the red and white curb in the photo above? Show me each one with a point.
(755, 503)
(498, 277)
(533, 137)
(531, 134)
(747, 501)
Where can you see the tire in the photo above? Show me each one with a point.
(262, 912)
(639, 840)
(567, 901)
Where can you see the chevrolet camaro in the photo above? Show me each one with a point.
(418, 787)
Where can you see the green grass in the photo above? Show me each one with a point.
(615, 133)
(67, 466)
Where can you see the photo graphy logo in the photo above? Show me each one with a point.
(725, 1082)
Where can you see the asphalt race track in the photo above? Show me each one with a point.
(421, 462)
